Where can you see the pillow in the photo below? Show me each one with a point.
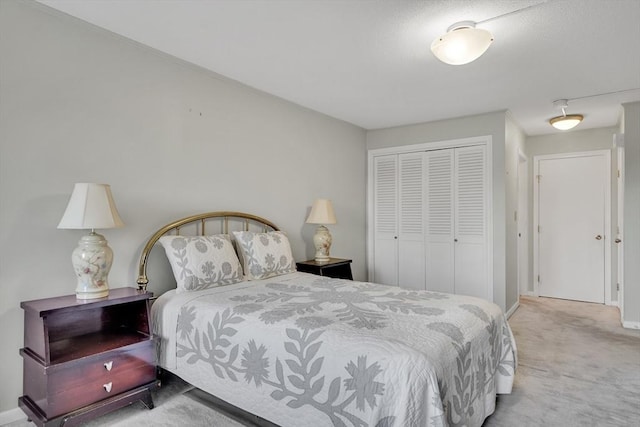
(264, 255)
(201, 262)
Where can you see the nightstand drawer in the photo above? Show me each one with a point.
(101, 388)
(65, 387)
(102, 366)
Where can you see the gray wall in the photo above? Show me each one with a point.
(79, 104)
(632, 213)
(492, 124)
(570, 142)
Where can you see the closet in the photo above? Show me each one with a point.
(429, 219)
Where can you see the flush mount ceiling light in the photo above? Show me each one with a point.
(565, 122)
(463, 43)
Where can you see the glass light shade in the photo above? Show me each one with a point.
(461, 45)
(321, 212)
(566, 122)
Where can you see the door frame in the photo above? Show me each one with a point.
(607, 215)
(620, 230)
(485, 140)
(522, 224)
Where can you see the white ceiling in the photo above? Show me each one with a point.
(368, 61)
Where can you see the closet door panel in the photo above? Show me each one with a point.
(439, 223)
(470, 222)
(470, 271)
(411, 253)
(430, 220)
(386, 220)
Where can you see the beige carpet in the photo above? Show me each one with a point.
(577, 367)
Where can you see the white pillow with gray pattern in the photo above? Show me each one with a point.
(202, 262)
(264, 255)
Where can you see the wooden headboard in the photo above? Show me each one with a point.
(201, 221)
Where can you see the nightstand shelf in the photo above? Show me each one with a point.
(335, 267)
(90, 344)
(83, 358)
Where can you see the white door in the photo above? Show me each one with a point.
(456, 221)
(411, 266)
(470, 263)
(423, 198)
(571, 219)
(439, 222)
(385, 207)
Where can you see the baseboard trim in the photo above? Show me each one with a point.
(513, 308)
(614, 303)
(528, 294)
(12, 415)
(631, 325)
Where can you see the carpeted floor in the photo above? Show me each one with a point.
(576, 367)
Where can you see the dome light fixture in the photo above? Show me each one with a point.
(565, 122)
(463, 43)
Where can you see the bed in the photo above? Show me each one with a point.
(303, 350)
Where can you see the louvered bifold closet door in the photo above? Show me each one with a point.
(385, 206)
(470, 222)
(439, 221)
(411, 243)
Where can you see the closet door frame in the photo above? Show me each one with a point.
(485, 140)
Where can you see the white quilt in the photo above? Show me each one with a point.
(304, 350)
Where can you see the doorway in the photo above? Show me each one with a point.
(572, 216)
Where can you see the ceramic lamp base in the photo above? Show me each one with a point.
(322, 241)
(92, 261)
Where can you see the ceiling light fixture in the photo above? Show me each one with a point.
(565, 122)
(463, 43)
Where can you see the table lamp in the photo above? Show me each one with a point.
(91, 207)
(322, 213)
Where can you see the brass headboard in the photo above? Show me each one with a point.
(224, 216)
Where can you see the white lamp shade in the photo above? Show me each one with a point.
(321, 212)
(461, 45)
(91, 206)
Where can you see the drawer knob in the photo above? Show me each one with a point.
(107, 387)
(108, 365)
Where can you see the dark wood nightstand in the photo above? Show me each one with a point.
(335, 267)
(84, 358)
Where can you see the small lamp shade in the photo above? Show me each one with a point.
(91, 206)
(322, 213)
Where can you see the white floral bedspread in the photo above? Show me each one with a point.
(304, 350)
